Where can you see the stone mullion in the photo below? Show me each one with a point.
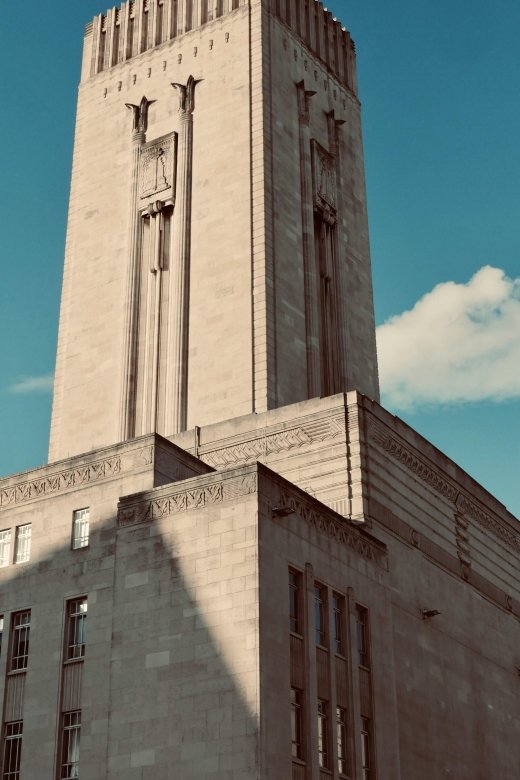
(309, 260)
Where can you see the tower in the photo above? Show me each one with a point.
(217, 259)
(237, 565)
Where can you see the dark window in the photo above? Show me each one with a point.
(77, 623)
(12, 750)
(366, 748)
(70, 738)
(362, 635)
(338, 610)
(20, 641)
(341, 737)
(319, 614)
(296, 723)
(1, 631)
(295, 595)
(323, 735)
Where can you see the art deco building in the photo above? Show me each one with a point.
(237, 565)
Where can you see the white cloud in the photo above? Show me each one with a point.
(460, 342)
(33, 384)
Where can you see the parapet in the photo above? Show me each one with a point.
(140, 25)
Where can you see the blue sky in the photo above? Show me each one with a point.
(439, 87)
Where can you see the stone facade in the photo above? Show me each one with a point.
(221, 575)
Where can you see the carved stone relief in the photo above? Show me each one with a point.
(157, 167)
(324, 181)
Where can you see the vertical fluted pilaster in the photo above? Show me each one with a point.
(177, 379)
(309, 263)
(130, 321)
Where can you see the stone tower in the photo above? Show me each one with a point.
(217, 259)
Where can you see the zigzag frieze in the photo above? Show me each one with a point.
(486, 521)
(183, 500)
(333, 529)
(60, 481)
(248, 452)
(443, 486)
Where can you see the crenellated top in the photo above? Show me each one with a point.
(140, 25)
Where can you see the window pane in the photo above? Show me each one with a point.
(77, 623)
(341, 735)
(80, 528)
(323, 740)
(70, 745)
(296, 723)
(12, 750)
(365, 747)
(23, 543)
(319, 614)
(338, 612)
(362, 635)
(5, 547)
(20, 641)
(294, 602)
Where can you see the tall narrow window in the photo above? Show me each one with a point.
(12, 750)
(144, 29)
(80, 528)
(115, 43)
(20, 640)
(296, 723)
(5, 547)
(341, 739)
(22, 545)
(366, 748)
(160, 22)
(362, 635)
(76, 628)
(71, 732)
(319, 614)
(1, 631)
(324, 238)
(295, 595)
(338, 611)
(323, 735)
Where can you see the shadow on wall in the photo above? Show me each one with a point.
(159, 696)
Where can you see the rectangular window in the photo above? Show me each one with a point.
(5, 547)
(80, 528)
(295, 602)
(341, 737)
(20, 640)
(22, 546)
(70, 738)
(1, 631)
(365, 748)
(323, 735)
(12, 750)
(362, 635)
(320, 612)
(76, 628)
(338, 610)
(296, 723)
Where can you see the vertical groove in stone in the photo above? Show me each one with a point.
(309, 265)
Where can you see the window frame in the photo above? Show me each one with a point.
(75, 627)
(297, 745)
(81, 540)
(363, 636)
(22, 543)
(68, 730)
(296, 617)
(20, 661)
(5, 547)
(339, 639)
(323, 734)
(12, 772)
(341, 740)
(320, 614)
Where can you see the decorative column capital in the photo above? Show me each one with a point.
(186, 95)
(140, 118)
